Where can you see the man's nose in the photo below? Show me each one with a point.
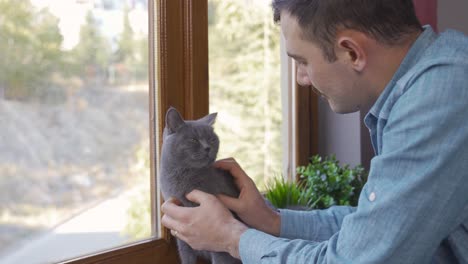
(302, 78)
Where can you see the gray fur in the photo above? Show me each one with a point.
(188, 152)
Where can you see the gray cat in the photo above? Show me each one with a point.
(188, 151)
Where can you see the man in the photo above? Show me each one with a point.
(362, 54)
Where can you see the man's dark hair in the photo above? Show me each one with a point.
(386, 21)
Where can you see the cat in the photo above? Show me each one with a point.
(188, 151)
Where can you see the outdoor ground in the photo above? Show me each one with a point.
(58, 159)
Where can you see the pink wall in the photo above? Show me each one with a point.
(427, 12)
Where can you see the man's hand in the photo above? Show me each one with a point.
(250, 206)
(209, 226)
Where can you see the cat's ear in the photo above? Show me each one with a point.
(209, 119)
(174, 120)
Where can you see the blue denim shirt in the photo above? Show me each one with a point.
(414, 206)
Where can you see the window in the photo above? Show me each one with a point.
(178, 76)
(265, 120)
(245, 90)
(74, 159)
(161, 36)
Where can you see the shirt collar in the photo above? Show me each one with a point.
(412, 57)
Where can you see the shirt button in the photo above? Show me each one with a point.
(372, 196)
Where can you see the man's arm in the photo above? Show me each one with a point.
(316, 225)
(251, 207)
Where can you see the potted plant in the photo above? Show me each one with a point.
(322, 183)
(326, 183)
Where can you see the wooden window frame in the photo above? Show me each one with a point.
(307, 124)
(178, 70)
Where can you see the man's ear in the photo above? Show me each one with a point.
(174, 120)
(351, 48)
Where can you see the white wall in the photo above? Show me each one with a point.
(339, 134)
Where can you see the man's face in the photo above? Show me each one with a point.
(337, 81)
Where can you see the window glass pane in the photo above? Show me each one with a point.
(244, 56)
(74, 137)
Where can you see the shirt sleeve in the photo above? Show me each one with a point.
(415, 194)
(321, 224)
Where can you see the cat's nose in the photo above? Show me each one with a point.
(205, 146)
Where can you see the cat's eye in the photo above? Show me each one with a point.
(193, 140)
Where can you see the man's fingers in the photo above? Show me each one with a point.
(171, 208)
(175, 201)
(198, 196)
(170, 223)
(228, 164)
(236, 171)
(174, 226)
(230, 202)
(179, 235)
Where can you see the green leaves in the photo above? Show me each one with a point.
(29, 47)
(326, 183)
(322, 183)
(283, 194)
